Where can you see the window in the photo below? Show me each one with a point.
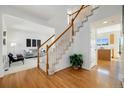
(33, 42)
(28, 42)
(38, 43)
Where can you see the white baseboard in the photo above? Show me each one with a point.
(59, 69)
(86, 68)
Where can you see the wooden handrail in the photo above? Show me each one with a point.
(77, 11)
(73, 13)
(70, 25)
(82, 7)
(47, 40)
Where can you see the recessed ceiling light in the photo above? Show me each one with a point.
(105, 22)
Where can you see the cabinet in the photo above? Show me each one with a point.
(104, 54)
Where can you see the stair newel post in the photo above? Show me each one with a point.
(38, 57)
(47, 59)
(72, 26)
(72, 29)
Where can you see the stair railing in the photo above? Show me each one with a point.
(58, 47)
(39, 49)
(52, 54)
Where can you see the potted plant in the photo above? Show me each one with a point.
(76, 61)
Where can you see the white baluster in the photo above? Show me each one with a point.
(51, 62)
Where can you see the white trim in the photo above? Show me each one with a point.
(86, 68)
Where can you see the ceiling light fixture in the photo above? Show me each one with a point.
(105, 22)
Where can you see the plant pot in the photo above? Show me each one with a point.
(76, 68)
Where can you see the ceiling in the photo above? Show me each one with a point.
(107, 25)
(50, 14)
(109, 29)
(44, 12)
(112, 20)
(18, 24)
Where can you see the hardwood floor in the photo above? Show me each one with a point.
(103, 75)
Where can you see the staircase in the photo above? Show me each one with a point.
(56, 49)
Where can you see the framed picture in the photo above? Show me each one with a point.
(4, 41)
(4, 33)
(33, 42)
(38, 43)
(28, 42)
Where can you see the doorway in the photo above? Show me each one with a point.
(106, 40)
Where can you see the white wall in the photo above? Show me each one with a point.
(19, 37)
(21, 14)
(59, 22)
